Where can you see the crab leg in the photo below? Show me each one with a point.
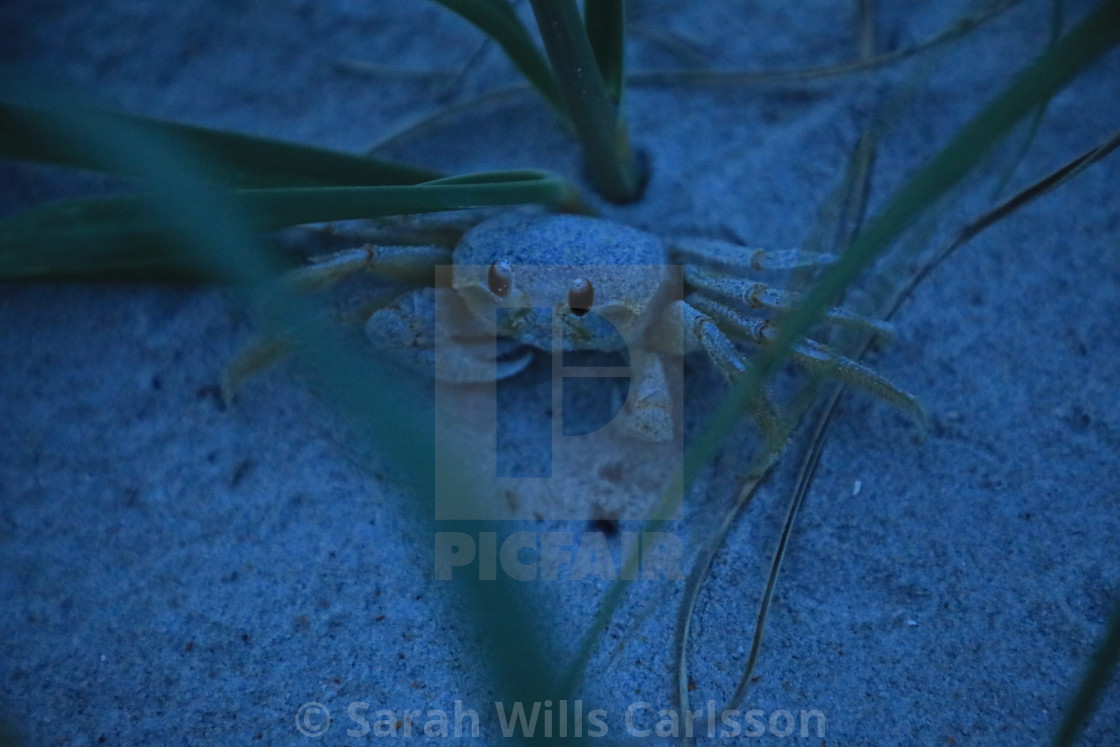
(648, 411)
(409, 264)
(813, 356)
(256, 357)
(684, 328)
(440, 335)
(823, 361)
(762, 296)
(732, 256)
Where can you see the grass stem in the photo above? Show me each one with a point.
(616, 173)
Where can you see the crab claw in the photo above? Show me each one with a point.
(431, 331)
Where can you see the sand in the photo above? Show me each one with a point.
(178, 572)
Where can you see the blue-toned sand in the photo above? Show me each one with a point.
(173, 571)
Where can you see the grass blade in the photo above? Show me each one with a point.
(1094, 683)
(246, 160)
(1056, 15)
(120, 237)
(497, 20)
(616, 173)
(1099, 31)
(1096, 33)
(605, 21)
(385, 406)
(861, 64)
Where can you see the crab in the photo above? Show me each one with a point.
(523, 282)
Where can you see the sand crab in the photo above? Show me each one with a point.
(524, 281)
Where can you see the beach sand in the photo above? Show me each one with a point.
(178, 572)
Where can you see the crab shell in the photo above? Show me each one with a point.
(546, 257)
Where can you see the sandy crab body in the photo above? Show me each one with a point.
(527, 281)
(562, 270)
(522, 282)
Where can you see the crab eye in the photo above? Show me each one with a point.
(500, 278)
(580, 296)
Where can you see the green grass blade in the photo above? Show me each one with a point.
(384, 406)
(497, 20)
(605, 21)
(616, 173)
(120, 237)
(1093, 685)
(1098, 32)
(1056, 16)
(702, 77)
(245, 160)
